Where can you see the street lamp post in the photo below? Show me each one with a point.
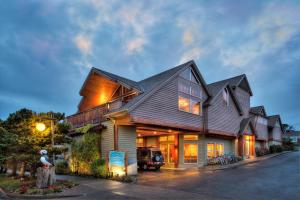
(41, 127)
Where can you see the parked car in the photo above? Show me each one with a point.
(148, 157)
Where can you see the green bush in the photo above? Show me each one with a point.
(261, 151)
(99, 169)
(62, 167)
(84, 152)
(275, 148)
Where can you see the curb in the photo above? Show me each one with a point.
(17, 196)
(236, 165)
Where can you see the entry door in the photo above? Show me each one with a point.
(168, 151)
(247, 148)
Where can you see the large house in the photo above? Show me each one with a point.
(176, 111)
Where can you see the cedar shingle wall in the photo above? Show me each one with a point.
(163, 106)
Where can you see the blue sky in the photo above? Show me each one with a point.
(48, 47)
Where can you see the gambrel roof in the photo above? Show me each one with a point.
(258, 110)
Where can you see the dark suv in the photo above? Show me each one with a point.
(149, 157)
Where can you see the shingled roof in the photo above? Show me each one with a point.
(272, 121)
(217, 87)
(258, 110)
(149, 85)
(244, 124)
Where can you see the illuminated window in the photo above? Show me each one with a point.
(190, 137)
(195, 107)
(171, 138)
(210, 150)
(219, 149)
(184, 104)
(140, 142)
(215, 150)
(163, 138)
(190, 93)
(190, 153)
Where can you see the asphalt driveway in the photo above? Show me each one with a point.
(274, 178)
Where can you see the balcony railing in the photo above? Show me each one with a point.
(94, 115)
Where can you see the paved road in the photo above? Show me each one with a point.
(275, 178)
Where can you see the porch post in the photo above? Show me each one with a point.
(116, 146)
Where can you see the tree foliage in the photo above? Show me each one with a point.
(28, 141)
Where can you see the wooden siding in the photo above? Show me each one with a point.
(127, 143)
(163, 106)
(107, 138)
(261, 129)
(244, 100)
(276, 132)
(223, 118)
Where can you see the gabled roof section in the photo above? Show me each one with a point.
(149, 85)
(258, 110)
(121, 80)
(216, 88)
(236, 81)
(272, 121)
(245, 123)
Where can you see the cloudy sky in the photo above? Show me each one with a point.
(48, 47)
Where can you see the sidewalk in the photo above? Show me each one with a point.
(241, 163)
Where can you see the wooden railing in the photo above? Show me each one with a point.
(94, 115)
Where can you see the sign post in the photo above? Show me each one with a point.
(117, 163)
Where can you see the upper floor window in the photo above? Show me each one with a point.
(226, 96)
(190, 93)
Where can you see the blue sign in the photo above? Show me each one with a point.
(116, 159)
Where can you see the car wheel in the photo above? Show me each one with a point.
(145, 167)
(157, 168)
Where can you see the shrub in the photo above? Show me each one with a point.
(275, 148)
(261, 151)
(62, 167)
(98, 168)
(84, 153)
(288, 145)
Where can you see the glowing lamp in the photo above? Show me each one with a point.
(40, 127)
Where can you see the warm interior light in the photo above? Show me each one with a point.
(169, 130)
(154, 132)
(139, 135)
(40, 126)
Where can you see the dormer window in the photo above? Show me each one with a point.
(190, 93)
(226, 96)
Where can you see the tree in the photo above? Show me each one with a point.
(7, 140)
(29, 141)
(287, 127)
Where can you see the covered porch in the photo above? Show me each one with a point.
(179, 147)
